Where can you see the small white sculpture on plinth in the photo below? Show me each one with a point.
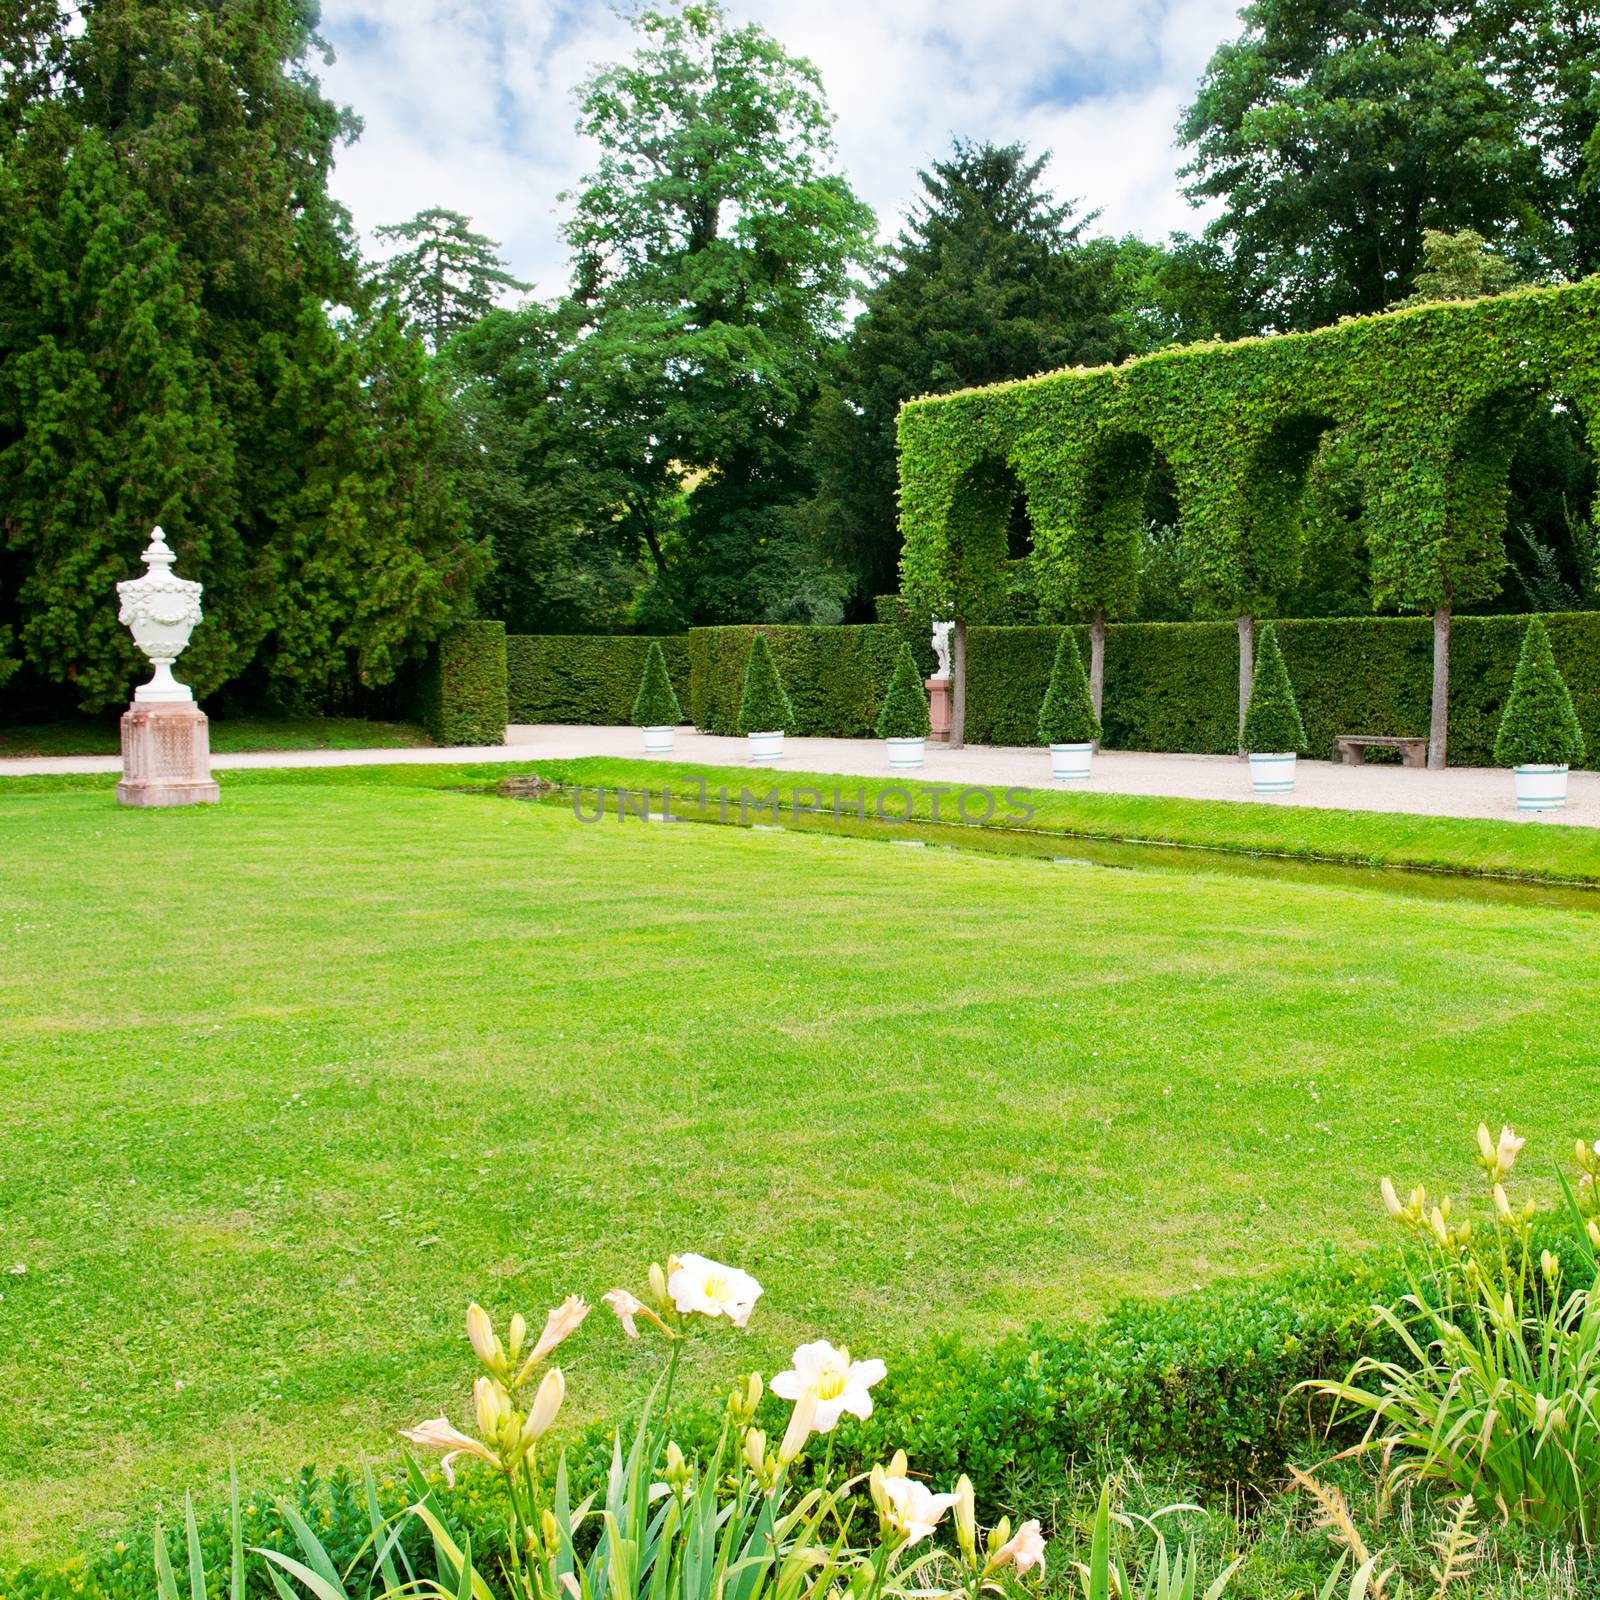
(938, 686)
(166, 745)
(941, 647)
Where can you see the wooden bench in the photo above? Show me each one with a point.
(1353, 748)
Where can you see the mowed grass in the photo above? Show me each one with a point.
(285, 1082)
(100, 736)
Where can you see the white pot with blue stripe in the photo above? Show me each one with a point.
(1272, 774)
(1541, 786)
(1070, 762)
(766, 747)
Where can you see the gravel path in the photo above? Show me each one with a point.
(1458, 792)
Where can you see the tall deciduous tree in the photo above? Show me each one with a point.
(716, 248)
(991, 279)
(1334, 132)
(447, 278)
(166, 351)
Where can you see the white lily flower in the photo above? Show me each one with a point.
(698, 1285)
(627, 1307)
(1025, 1548)
(910, 1508)
(841, 1383)
(438, 1433)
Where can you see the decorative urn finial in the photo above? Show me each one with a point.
(161, 610)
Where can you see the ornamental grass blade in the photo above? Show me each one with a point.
(235, 1534)
(197, 1560)
(447, 1553)
(166, 1579)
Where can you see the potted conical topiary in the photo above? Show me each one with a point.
(1273, 732)
(903, 721)
(656, 708)
(1067, 722)
(765, 714)
(1539, 736)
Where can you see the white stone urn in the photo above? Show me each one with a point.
(161, 610)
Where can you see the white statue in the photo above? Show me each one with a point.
(162, 611)
(941, 648)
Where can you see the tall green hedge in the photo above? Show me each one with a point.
(836, 677)
(464, 686)
(1169, 685)
(1175, 685)
(586, 678)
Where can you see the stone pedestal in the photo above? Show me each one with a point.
(939, 709)
(166, 756)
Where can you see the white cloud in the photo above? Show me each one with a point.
(468, 103)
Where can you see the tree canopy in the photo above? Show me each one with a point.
(448, 278)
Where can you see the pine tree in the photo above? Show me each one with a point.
(450, 278)
(656, 705)
(1272, 723)
(1539, 725)
(1067, 715)
(904, 714)
(764, 707)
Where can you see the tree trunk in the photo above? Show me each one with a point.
(1247, 670)
(1438, 727)
(958, 685)
(1097, 660)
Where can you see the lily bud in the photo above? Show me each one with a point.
(1439, 1228)
(1391, 1201)
(1593, 1230)
(1541, 1411)
(1502, 1206)
(547, 1400)
(480, 1334)
(998, 1535)
(755, 1450)
(898, 1464)
(1551, 1267)
(658, 1285)
(1485, 1145)
(515, 1335)
(966, 1514)
(677, 1467)
(552, 1534)
(491, 1406)
(801, 1422)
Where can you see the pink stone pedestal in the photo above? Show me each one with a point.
(166, 756)
(939, 709)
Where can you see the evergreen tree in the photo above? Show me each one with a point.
(449, 278)
(904, 714)
(764, 706)
(1539, 725)
(1272, 723)
(295, 459)
(1067, 714)
(656, 705)
(991, 279)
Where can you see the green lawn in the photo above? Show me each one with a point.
(284, 1082)
(229, 735)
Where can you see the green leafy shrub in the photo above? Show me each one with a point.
(905, 706)
(1067, 714)
(763, 706)
(1539, 725)
(585, 678)
(464, 686)
(656, 705)
(1272, 721)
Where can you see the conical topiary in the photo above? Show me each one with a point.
(764, 707)
(905, 705)
(1272, 724)
(1539, 726)
(1067, 715)
(656, 705)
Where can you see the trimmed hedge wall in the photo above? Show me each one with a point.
(586, 678)
(1175, 685)
(836, 677)
(1169, 685)
(464, 686)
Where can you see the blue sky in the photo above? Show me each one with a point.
(468, 103)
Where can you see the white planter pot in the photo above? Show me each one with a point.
(766, 746)
(1070, 761)
(906, 752)
(658, 741)
(1273, 774)
(1540, 788)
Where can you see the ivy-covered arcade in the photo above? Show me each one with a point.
(1433, 398)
